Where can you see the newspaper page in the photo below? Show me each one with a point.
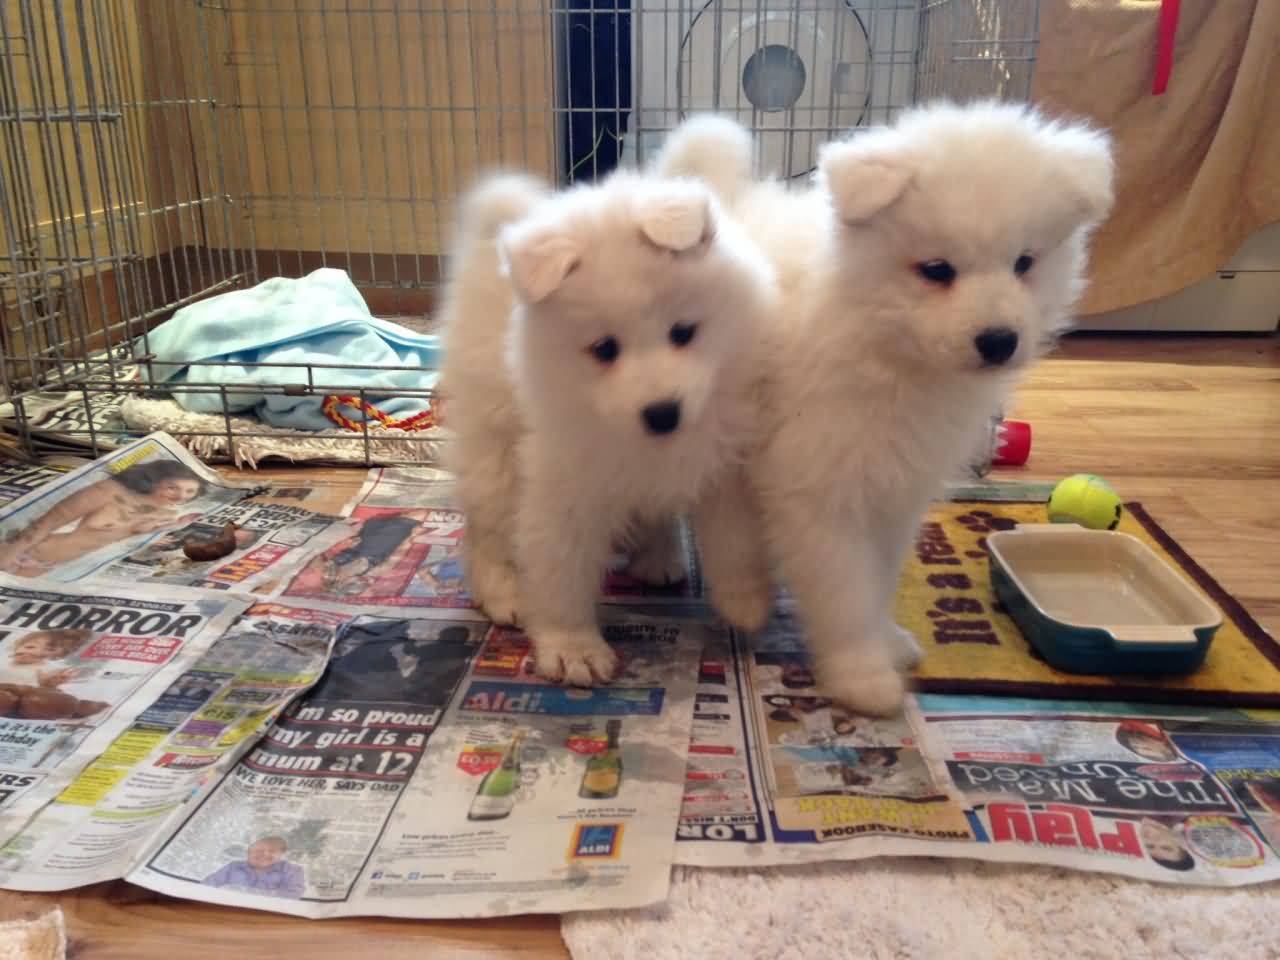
(778, 773)
(123, 517)
(1163, 795)
(17, 479)
(278, 529)
(401, 546)
(210, 715)
(78, 664)
(722, 797)
(76, 526)
(431, 774)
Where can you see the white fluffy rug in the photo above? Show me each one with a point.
(925, 909)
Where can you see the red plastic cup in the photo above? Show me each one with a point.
(1015, 444)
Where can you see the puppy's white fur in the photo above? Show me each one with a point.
(877, 390)
(555, 462)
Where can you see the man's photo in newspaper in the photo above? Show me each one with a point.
(265, 870)
(391, 557)
(70, 528)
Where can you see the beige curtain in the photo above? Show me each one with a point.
(1199, 166)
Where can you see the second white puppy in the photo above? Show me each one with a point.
(597, 378)
(931, 264)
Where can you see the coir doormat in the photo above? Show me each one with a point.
(972, 647)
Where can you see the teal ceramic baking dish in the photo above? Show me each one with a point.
(1100, 601)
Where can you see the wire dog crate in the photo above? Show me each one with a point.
(159, 153)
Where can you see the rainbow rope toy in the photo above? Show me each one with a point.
(423, 420)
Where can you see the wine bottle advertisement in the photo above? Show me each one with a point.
(544, 797)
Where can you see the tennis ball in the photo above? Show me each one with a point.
(1086, 500)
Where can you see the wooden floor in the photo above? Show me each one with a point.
(1191, 427)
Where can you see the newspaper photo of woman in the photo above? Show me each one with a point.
(142, 498)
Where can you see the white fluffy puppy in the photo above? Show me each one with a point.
(930, 264)
(596, 379)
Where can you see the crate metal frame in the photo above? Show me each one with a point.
(157, 154)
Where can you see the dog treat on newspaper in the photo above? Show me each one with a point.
(212, 548)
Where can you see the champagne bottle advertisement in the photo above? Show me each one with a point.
(533, 796)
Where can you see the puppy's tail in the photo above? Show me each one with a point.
(710, 148)
(491, 205)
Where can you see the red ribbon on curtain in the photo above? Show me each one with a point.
(1168, 32)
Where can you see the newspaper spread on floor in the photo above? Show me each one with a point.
(430, 774)
(779, 774)
(128, 797)
(124, 517)
(78, 664)
(401, 547)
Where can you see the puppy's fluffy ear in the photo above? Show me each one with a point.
(863, 176)
(536, 257)
(676, 216)
(1088, 170)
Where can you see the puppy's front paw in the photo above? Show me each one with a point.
(493, 586)
(659, 563)
(744, 606)
(869, 686)
(580, 658)
(878, 693)
(907, 652)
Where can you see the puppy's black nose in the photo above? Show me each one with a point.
(662, 417)
(996, 345)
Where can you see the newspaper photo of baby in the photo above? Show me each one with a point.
(35, 668)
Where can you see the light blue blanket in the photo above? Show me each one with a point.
(320, 318)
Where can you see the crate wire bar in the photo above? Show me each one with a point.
(158, 153)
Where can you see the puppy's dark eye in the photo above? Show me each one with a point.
(606, 350)
(1023, 264)
(682, 334)
(937, 271)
